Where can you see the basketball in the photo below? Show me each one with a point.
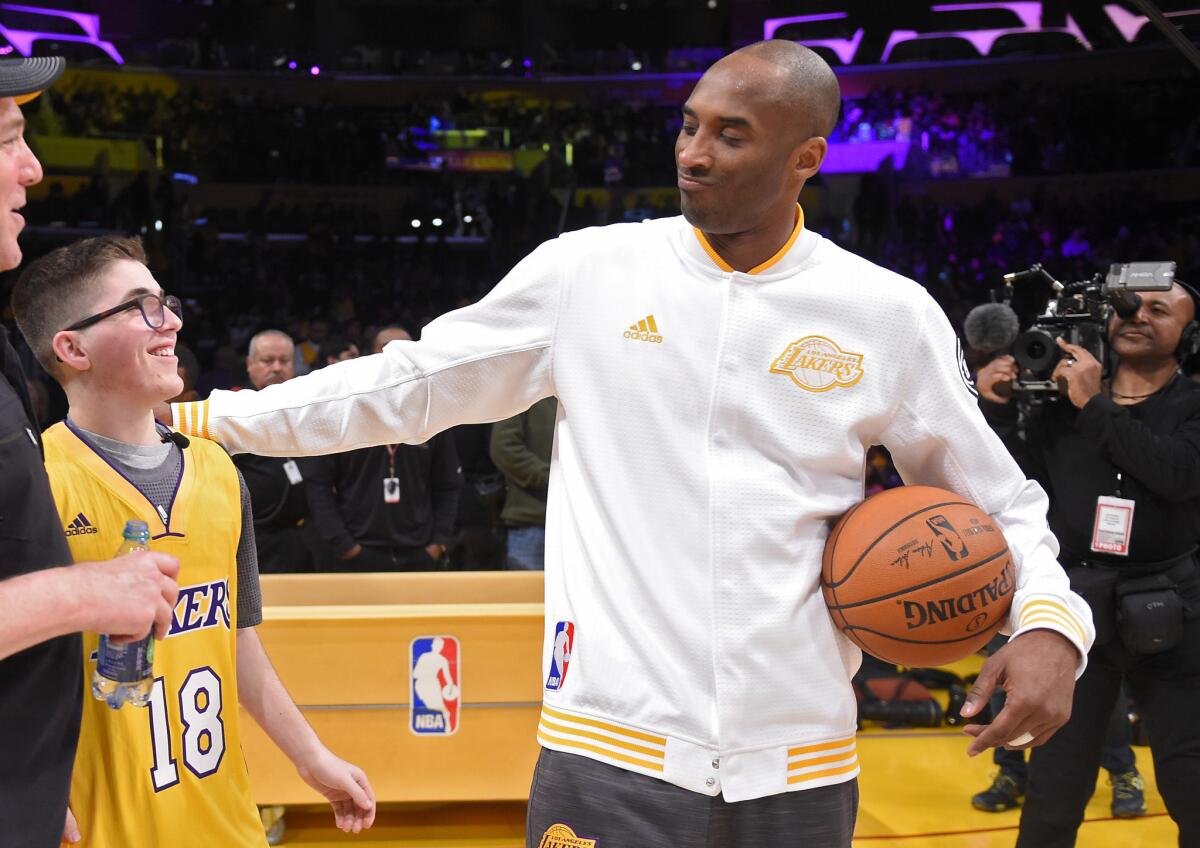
(917, 576)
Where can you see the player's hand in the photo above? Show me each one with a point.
(1037, 673)
(1081, 372)
(345, 787)
(127, 596)
(1002, 369)
(70, 829)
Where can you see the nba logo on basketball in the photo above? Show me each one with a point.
(436, 695)
(560, 654)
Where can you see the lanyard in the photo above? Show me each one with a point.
(391, 449)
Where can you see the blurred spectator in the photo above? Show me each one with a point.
(282, 530)
(389, 334)
(226, 373)
(477, 545)
(479, 537)
(189, 371)
(309, 347)
(336, 349)
(388, 508)
(521, 449)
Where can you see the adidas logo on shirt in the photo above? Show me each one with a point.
(644, 331)
(80, 526)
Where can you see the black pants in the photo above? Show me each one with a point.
(1062, 773)
(623, 809)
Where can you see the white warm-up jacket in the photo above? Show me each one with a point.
(711, 424)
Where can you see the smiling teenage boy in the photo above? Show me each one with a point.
(171, 774)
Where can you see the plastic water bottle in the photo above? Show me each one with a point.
(125, 672)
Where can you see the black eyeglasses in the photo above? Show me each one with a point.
(153, 308)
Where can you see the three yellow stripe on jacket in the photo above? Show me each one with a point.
(648, 751)
(193, 419)
(644, 750)
(1042, 611)
(805, 761)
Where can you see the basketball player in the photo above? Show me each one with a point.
(172, 773)
(720, 377)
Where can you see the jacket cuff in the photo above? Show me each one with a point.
(191, 418)
(1050, 612)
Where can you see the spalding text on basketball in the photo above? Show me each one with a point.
(921, 613)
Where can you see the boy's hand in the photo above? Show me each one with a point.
(346, 788)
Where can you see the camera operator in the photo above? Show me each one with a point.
(1120, 460)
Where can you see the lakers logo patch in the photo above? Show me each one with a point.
(817, 364)
(561, 836)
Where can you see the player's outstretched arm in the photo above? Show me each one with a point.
(124, 597)
(263, 695)
(484, 362)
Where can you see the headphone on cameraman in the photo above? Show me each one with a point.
(1189, 339)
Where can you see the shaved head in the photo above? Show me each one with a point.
(754, 131)
(807, 87)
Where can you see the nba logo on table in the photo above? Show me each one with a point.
(560, 654)
(436, 687)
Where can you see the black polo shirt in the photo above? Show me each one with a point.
(41, 688)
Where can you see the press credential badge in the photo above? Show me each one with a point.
(1114, 523)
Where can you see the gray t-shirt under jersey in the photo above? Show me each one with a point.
(154, 469)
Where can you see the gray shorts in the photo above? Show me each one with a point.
(580, 803)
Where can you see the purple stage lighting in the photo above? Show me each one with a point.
(23, 40)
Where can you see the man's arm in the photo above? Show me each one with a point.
(1168, 466)
(263, 695)
(482, 363)
(319, 473)
(512, 455)
(938, 436)
(124, 597)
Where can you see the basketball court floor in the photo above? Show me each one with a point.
(916, 790)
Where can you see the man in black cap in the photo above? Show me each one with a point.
(43, 605)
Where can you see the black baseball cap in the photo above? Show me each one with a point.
(26, 78)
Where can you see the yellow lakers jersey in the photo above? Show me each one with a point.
(171, 773)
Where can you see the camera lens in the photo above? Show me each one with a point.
(1036, 351)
